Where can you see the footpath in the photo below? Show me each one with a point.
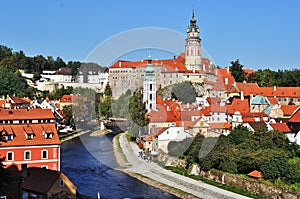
(167, 177)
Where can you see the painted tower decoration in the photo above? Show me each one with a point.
(193, 46)
(149, 89)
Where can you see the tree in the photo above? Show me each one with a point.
(67, 110)
(104, 107)
(137, 121)
(279, 167)
(237, 71)
(184, 92)
(107, 91)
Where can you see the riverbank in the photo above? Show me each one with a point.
(123, 162)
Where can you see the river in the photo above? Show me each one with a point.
(89, 162)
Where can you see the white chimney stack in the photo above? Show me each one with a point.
(242, 95)
(226, 80)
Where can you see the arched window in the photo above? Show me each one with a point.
(151, 87)
(10, 156)
(150, 106)
(150, 96)
(27, 155)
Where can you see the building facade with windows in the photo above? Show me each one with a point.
(30, 138)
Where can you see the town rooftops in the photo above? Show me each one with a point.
(25, 114)
(273, 91)
(29, 134)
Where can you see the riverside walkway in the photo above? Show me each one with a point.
(155, 172)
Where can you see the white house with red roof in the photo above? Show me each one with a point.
(30, 138)
(161, 137)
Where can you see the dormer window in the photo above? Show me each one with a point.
(9, 137)
(29, 136)
(48, 133)
(29, 133)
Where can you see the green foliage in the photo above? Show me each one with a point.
(281, 78)
(8, 81)
(67, 110)
(221, 157)
(120, 107)
(192, 154)
(278, 167)
(184, 92)
(177, 149)
(237, 71)
(57, 95)
(107, 91)
(137, 121)
(105, 107)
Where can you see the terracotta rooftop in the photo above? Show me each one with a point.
(17, 100)
(282, 127)
(25, 114)
(20, 130)
(239, 105)
(288, 110)
(295, 117)
(255, 174)
(273, 91)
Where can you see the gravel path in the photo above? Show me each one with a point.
(155, 172)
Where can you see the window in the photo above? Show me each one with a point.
(48, 135)
(9, 137)
(10, 156)
(62, 183)
(29, 136)
(27, 155)
(44, 167)
(44, 154)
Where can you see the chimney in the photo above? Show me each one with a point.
(204, 67)
(274, 88)
(251, 98)
(227, 69)
(226, 80)
(242, 95)
(120, 64)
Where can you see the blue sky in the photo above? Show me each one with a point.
(261, 33)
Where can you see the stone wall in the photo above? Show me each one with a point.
(253, 186)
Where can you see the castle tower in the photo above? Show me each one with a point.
(149, 89)
(193, 46)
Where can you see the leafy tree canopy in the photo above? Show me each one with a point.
(237, 71)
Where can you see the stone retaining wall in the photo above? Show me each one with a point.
(251, 185)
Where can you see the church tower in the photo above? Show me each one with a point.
(193, 46)
(149, 90)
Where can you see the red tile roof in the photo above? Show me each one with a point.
(25, 114)
(295, 117)
(288, 110)
(272, 100)
(239, 105)
(148, 138)
(2, 102)
(220, 125)
(17, 100)
(255, 174)
(242, 85)
(169, 64)
(20, 131)
(273, 91)
(282, 127)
